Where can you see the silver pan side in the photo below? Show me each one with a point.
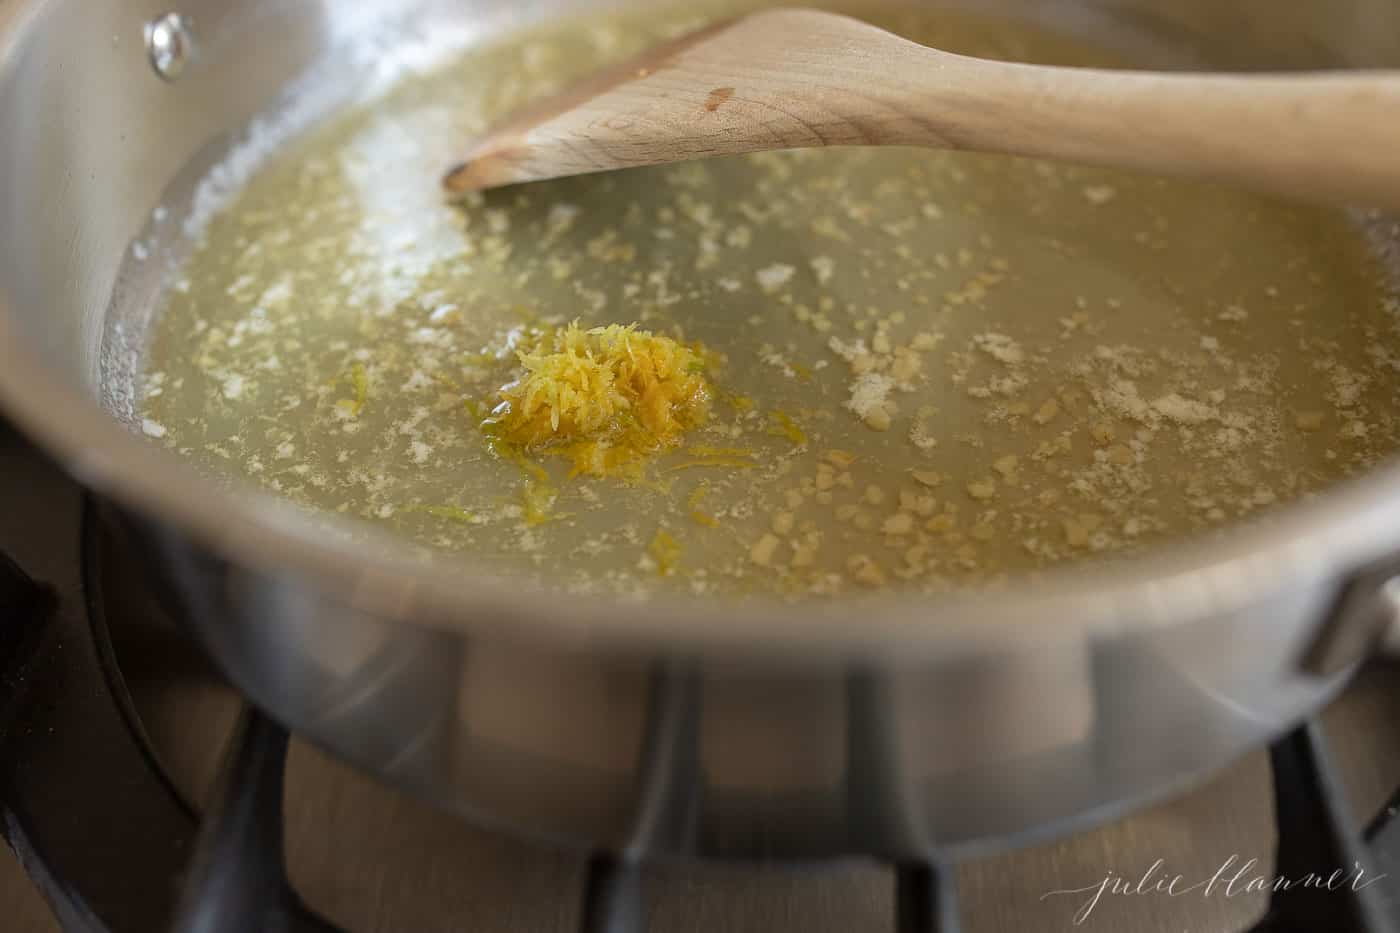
(659, 729)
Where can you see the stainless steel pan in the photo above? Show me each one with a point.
(664, 728)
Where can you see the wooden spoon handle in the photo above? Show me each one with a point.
(1332, 136)
(789, 79)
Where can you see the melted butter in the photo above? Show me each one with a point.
(939, 369)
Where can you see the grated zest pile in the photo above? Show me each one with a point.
(606, 398)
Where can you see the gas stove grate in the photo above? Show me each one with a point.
(238, 877)
(63, 706)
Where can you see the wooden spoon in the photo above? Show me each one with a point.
(787, 79)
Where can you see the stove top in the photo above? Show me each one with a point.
(137, 789)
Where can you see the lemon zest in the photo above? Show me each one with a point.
(786, 427)
(606, 398)
(539, 499)
(741, 403)
(714, 462)
(719, 452)
(697, 514)
(445, 512)
(358, 378)
(666, 551)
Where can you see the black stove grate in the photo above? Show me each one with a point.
(1317, 834)
(63, 707)
(238, 883)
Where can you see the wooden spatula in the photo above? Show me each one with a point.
(787, 79)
